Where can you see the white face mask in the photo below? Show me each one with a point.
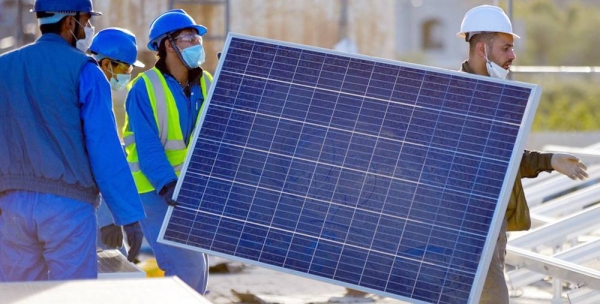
(84, 44)
(118, 81)
(493, 69)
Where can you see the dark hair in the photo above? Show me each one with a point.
(162, 49)
(161, 63)
(486, 38)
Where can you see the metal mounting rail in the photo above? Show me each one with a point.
(583, 296)
(567, 204)
(579, 254)
(558, 183)
(556, 268)
(557, 233)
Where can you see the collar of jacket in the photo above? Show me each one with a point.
(466, 68)
(194, 75)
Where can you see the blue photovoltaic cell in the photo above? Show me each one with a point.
(375, 174)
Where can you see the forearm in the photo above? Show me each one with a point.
(534, 162)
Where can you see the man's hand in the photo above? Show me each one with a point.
(134, 239)
(569, 165)
(112, 236)
(167, 193)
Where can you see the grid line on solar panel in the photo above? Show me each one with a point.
(275, 117)
(350, 234)
(438, 187)
(341, 243)
(477, 133)
(271, 225)
(514, 122)
(338, 200)
(419, 84)
(407, 161)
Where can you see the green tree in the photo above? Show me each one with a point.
(558, 32)
(561, 33)
(566, 104)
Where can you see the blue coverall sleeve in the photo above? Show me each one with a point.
(104, 216)
(151, 153)
(107, 160)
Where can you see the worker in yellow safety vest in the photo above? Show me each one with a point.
(162, 109)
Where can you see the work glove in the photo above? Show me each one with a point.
(167, 193)
(569, 165)
(134, 239)
(112, 236)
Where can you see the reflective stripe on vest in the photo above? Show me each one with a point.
(166, 116)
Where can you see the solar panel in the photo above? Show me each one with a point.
(113, 264)
(377, 175)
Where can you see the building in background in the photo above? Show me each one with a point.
(17, 24)
(420, 31)
(427, 31)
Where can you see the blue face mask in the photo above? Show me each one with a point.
(118, 81)
(193, 56)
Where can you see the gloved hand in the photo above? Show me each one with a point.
(167, 193)
(134, 239)
(569, 165)
(112, 236)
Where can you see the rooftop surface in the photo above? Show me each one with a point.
(253, 284)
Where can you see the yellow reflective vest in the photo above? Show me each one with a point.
(166, 116)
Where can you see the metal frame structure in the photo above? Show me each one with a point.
(561, 221)
(555, 234)
(559, 269)
(568, 204)
(524, 276)
(556, 184)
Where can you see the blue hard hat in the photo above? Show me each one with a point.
(65, 6)
(117, 44)
(168, 22)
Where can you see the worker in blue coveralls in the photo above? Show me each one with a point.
(489, 32)
(162, 109)
(58, 148)
(115, 49)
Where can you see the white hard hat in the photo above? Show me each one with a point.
(485, 19)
